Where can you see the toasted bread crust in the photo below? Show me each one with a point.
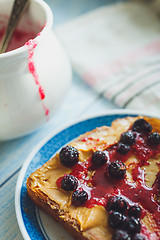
(52, 208)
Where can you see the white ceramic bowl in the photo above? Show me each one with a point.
(21, 108)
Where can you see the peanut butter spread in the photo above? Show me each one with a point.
(92, 221)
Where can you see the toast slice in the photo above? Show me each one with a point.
(91, 219)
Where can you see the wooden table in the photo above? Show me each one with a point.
(80, 101)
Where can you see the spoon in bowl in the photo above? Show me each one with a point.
(18, 9)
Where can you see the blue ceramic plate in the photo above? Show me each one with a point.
(34, 223)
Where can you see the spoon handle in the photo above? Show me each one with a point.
(18, 9)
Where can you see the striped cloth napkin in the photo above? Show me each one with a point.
(116, 50)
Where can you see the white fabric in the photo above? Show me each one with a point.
(116, 50)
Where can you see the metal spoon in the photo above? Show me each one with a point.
(17, 11)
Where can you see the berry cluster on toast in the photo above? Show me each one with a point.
(106, 184)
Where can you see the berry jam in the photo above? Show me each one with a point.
(100, 186)
(19, 38)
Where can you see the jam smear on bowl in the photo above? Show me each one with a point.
(110, 180)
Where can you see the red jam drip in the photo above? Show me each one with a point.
(32, 44)
(100, 186)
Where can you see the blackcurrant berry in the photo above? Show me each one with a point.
(69, 156)
(69, 183)
(115, 219)
(128, 138)
(134, 211)
(133, 225)
(142, 126)
(120, 235)
(79, 197)
(117, 169)
(154, 139)
(122, 148)
(117, 203)
(99, 158)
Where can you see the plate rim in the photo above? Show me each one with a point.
(39, 145)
